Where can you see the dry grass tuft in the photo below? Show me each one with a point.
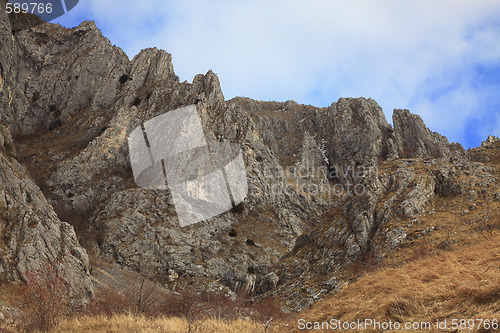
(137, 323)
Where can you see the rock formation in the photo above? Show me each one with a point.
(32, 236)
(69, 100)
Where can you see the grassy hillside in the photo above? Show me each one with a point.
(460, 284)
(463, 283)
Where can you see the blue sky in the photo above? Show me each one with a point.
(440, 59)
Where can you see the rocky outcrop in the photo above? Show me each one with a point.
(97, 97)
(383, 217)
(354, 133)
(360, 133)
(313, 165)
(480, 154)
(145, 216)
(208, 88)
(31, 236)
(490, 141)
(413, 139)
(48, 62)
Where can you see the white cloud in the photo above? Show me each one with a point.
(417, 55)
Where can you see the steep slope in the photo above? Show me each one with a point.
(410, 208)
(79, 98)
(459, 284)
(32, 238)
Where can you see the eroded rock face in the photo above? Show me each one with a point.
(372, 225)
(354, 133)
(360, 132)
(48, 62)
(141, 226)
(31, 236)
(413, 139)
(90, 183)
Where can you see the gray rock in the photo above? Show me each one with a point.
(396, 236)
(268, 282)
(33, 238)
(491, 140)
(413, 139)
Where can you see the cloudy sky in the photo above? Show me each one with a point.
(440, 59)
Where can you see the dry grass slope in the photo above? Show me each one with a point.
(464, 283)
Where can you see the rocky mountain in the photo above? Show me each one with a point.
(327, 186)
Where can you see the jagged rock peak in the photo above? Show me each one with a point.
(490, 141)
(414, 139)
(360, 132)
(152, 65)
(88, 25)
(209, 85)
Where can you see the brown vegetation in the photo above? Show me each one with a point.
(462, 283)
(143, 307)
(44, 298)
(138, 323)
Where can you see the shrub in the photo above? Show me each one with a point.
(108, 303)
(190, 304)
(366, 263)
(8, 147)
(102, 130)
(182, 304)
(267, 310)
(250, 242)
(44, 298)
(137, 101)
(100, 231)
(53, 109)
(144, 297)
(233, 233)
(55, 124)
(124, 78)
(421, 249)
(36, 96)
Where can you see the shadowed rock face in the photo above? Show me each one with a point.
(70, 99)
